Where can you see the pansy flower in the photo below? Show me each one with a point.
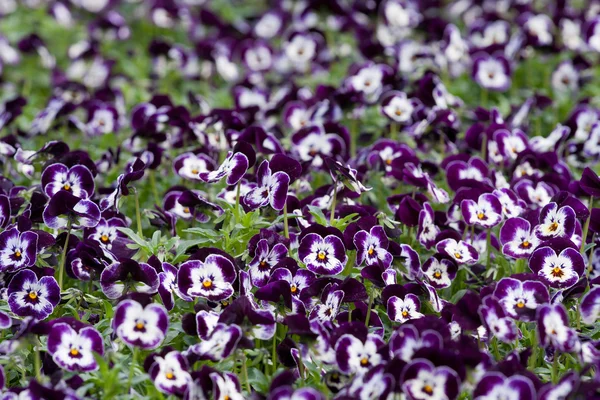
(402, 310)
(557, 270)
(168, 286)
(64, 209)
(458, 171)
(106, 232)
(521, 299)
(355, 356)
(398, 107)
(461, 252)
(272, 188)
(170, 373)
(554, 330)
(328, 310)
(233, 169)
(211, 279)
(190, 165)
(517, 238)
(298, 281)
(314, 144)
(440, 271)
(325, 256)
(120, 277)
(422, 380)
(140, 326)
(73, 349)
(512, 205)
(17, 250)
(590, 306)
(496, 322)
(492, 72)
(264, 260)
(556, 222)
(406, 340)
(77, 180)
(486, 212)
(221, 342)
(28, 296)
(226, 386)
(496, 386)
(427, 230)
(371, 247)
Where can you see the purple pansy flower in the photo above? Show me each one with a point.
(73, 349)
(512, 205)
(428, 230)
(170, 373)
(492, 72)
(298, 281)
(354, 356)
(556, 222)
(486, 212)
(190, 165)
(233, 168)
(226, 386)
(496, 386)
(210, 279)
(406, 340)
(520, 299)
(461, 252)
(64, 208)
(28, 296)
(440, 271)
(17, 250)
(325, 256)
(422, 380)
(402, 310)
(220, 344)
(106, 232)
(168, 286)
(496, 322)
(272, 188)
(554, 330)
(590, 306)
(264, 260)
(517, 238)
(141, 326)
(118, 278)
(77, 180)
(328, 310)
(371, 247)
(557, 270)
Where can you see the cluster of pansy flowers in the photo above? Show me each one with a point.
(440, 251)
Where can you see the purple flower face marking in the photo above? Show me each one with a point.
(556, 222)
(30, 297)
(220, 344)
(521, 300)
(440, 271)
(517, 238)
(299, 281)
(428, 230)
(233, 168)
(554, 330)
(264, 260)
(168, 286)
(128, 274)
(17, 250)
(461, 252)
(170, 373)
(355, 357)
(314, 144)
(560, 271)
(402, 310)
(77, 180)
(189, 165)
(325, 256)
(140, 326)
(329, 310)
(272, 188)
(495, 386)
(590, 306)
(74, 350)
(512, 206)
(64, 207)
(496, 322)
(106, 232)
(406, 340)
(492, 72)
(371, 247)
(486, 212)
(210, 279)
(422, 380)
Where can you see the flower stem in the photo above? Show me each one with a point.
(333, 199)
(586, 226)
(488, 248)
(154, 189)
(394, 131)
(555, 367)
(245, 372)
(371, 298)
(274, 351)
(63, 257)
(37, 363)
(138, 214)
(286, 229)
(236, 212)
(495, 349)
(131, 369)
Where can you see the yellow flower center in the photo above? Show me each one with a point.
(437, 274)
(481, 215)
(186, 210)
(321, 256)
(66, 186)
(398, 112)
(170, 375)
(520, 304)
(557, 272)
(293, 288)
(33, 295)
(526, 244)
(139, 326)
(74, 352)
(17, 253)
(371, 251)
(553, 227)
(405, 314)
(458, 255)
(428, 389)
(388, 161)
(195, 172)
(104, 238)
(207, 283)
(364, 361)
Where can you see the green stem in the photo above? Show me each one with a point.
(286, 229)
(154, 189)
(245, 372)
(484, 97)
(371, 299)
(555, 367)
(63, 257)
(237, 202)
(274, 348)
(484, 146)
(353, 136)
(37, 363)
(138, 214)
(394, 131)
(132, 368)
(489, 248)
(532, 363)
(333, 199)
(586, 226)
(495, 349)
(590, 257)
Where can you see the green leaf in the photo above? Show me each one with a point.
(258, 380)
(318, 214)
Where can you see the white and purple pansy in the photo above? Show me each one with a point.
(77, 180)
(168, 286)
(492, 72)
(512, 205)
(496, 322)
(554, 330)
(355, 356)
(272, 188)
(424, 381)
(328, 310)
(440, 271)
(496, 386)
(233, 169)
(590, 306)
(73, 349)
(221, 342)
(427, 230)
(298, 281)
(561, 270)
(211, 279)
(460, 251)
(325, 256)
(556, 221)
(406, 340)
(120, 277)
(521, 299)
(18, 250)
(486, 212)
(517, 238)
(371, 247)
(190, 165)
(314, 144)
(5, 210)
(107, 231)
(64, 209)
(170, 373)
(458, 171)
(29, 296)
(140, 326)
(226, 386)
(404, 309)
(264, 260)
